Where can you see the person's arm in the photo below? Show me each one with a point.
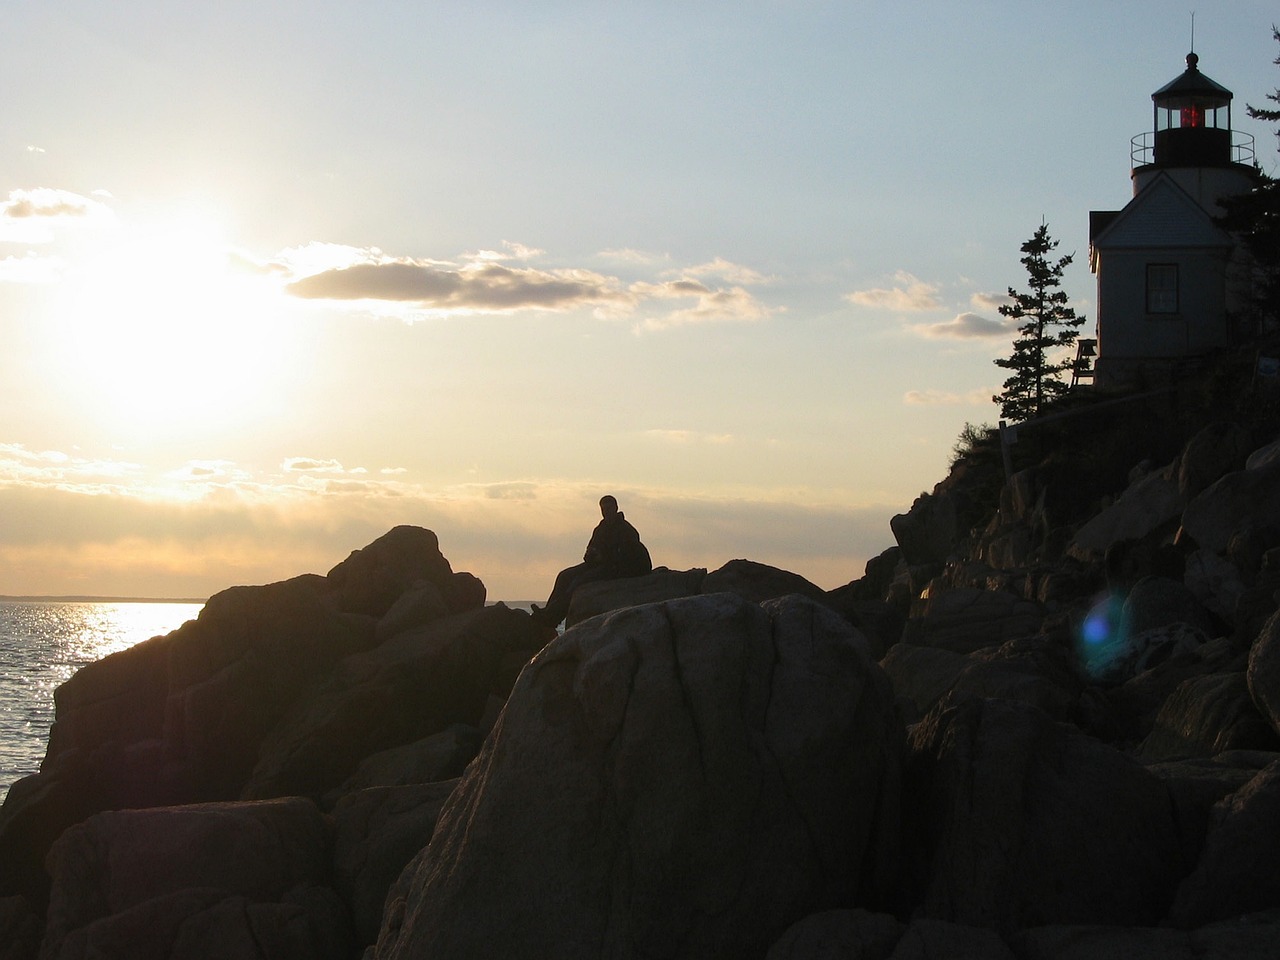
(597, 551)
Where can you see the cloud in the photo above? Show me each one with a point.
(481, 286)
(990, 301)
(53, 467)
(734, 305)
(942, 398)
(515, 536)
(28, 216)
(317, 257)
(728, 272)
(47, 202)
(669, 289)
(482, 283)
(684, 437)
(911, 295)
(641, 257)
(965, 326)
(72, 523)
(512, 251)
(205, 470)
(310, 465)
(515, 490)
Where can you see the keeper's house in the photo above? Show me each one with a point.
(1169, 278)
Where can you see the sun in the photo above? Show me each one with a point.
(163, 326)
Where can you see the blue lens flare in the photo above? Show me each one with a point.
(1096, 628)
(1101, 642)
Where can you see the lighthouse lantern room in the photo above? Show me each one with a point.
(1192, 120)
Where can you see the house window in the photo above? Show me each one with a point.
(1162, 288)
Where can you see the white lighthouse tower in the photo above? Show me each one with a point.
(1169, 277)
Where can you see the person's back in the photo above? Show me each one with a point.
(615, 545)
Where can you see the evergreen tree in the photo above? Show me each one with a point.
(1255, 218)
(1048, 324)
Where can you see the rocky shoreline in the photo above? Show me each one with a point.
(1044, 726)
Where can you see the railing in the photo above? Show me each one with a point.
(1142, 148)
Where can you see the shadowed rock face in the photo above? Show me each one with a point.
(1026, 822)
(1237, 872)
(1206, 716)
(1264, 671)
(1034, 671)
(968, 619)
(236, 880)
(682, 779)
(377, 832)
(1239, 499)
(409, 687)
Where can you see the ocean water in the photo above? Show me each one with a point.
(44, 642)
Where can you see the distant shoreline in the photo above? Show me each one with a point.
(87, 599)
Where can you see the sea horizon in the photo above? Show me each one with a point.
(93, 598)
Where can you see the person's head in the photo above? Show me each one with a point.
(608, 506)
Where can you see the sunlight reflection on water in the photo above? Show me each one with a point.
(42, 644)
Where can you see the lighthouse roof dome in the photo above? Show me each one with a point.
(1192, 87)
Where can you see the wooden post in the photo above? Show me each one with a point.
(1008, 436)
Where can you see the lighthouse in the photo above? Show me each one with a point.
(1169, 278)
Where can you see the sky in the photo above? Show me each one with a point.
(277, 276)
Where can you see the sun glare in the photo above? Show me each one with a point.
(164, 326)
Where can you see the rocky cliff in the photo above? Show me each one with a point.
(1044, 726)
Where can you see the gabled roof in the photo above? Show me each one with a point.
(1099, 220)
(1163, 215)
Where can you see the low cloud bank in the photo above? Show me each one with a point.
(515, 536)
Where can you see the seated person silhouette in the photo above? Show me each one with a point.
(615, 551)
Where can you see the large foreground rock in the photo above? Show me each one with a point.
(592, 599)
(860, 935)
(683, 779)
(752, 581)
(1252, 937)
(20, 930)
(1237, 869)
(758, 582)
(246, 881)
